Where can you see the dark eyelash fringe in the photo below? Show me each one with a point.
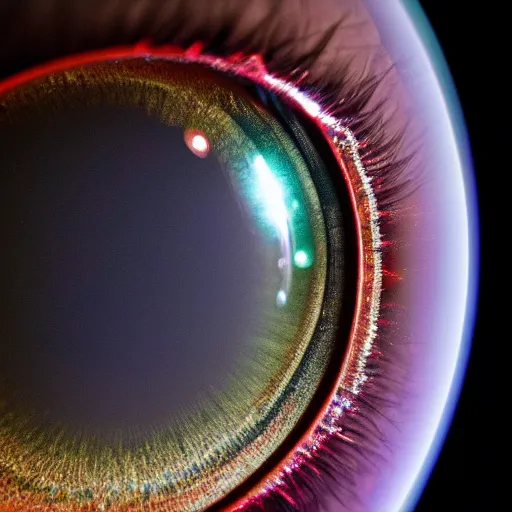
(332, 472)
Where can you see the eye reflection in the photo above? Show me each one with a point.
(404, 362)
(197, 142)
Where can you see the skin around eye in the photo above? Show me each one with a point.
(430, 292)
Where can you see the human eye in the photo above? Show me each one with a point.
(237, 267)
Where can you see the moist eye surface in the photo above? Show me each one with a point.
(164, 272)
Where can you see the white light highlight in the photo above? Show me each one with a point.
(281, 298)
(197, 142)
(273, 196)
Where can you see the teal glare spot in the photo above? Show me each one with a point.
(301, 259)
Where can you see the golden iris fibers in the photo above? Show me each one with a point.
(205, 452)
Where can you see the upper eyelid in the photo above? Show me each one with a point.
(35, 31)
(271, 27)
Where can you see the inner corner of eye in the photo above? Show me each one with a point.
(173, 308)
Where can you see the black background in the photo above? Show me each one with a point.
(464, 476)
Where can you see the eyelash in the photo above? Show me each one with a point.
(346, 99)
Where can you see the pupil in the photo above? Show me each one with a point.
(129, 270)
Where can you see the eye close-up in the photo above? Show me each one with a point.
(239, 256)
